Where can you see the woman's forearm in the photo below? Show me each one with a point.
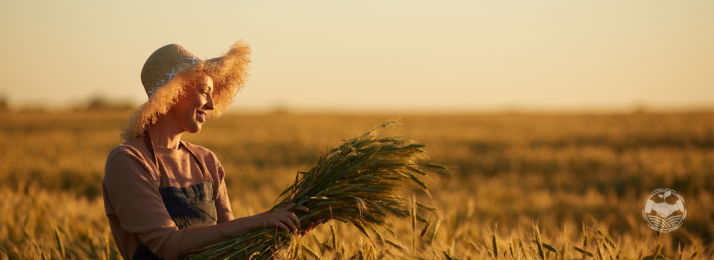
(197, 238)
(280, 217)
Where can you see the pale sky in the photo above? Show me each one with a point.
(374, 55)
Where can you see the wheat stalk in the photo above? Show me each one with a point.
(358, 182)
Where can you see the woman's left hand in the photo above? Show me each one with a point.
(312, 225)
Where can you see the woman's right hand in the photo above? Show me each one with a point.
(282, 218)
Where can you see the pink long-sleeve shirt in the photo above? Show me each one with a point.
(132, 201)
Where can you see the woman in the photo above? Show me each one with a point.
(165, 197)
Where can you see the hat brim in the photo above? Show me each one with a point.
(228, 72)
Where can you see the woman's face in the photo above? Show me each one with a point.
(191, 110)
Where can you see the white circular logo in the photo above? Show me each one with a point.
(664, 210)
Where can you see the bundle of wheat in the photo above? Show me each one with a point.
(358, 182)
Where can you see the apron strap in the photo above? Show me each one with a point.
(150, 146)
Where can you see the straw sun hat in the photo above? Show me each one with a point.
(172, 67)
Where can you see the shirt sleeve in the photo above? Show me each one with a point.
(223, 203)
(133, 191)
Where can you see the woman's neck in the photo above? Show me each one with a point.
(165, 133)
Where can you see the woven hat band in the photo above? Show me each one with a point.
(163, 65)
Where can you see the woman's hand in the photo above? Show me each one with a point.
(282, 218)
(312, 225)
(288, 221)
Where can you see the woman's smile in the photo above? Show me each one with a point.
(201, 116)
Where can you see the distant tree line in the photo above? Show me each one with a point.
(3, 103)
(102, 103)
(95, 103)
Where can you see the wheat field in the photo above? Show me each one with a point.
(524, 185)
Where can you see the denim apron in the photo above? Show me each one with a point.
(192, 206)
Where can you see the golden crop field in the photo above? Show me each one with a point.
(583, 178)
